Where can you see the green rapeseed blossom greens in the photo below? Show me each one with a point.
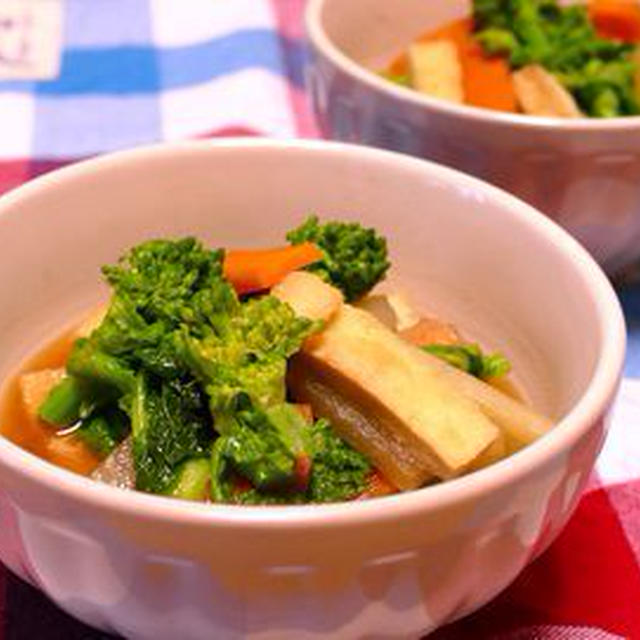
(469, 358)
(196, 375)
(597, 71)
(355, 258)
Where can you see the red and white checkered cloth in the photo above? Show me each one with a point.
(138, 71)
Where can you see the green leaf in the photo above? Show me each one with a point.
(170, 425)
(469, 358)
(339, 472)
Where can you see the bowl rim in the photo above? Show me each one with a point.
(320, 39)
(591, 406)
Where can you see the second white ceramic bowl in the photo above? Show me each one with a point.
(150, 567)
(583, 173)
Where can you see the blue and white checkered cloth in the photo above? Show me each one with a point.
(138, 71)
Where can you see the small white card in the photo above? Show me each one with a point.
(30, 39)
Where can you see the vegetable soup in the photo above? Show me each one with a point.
(532, 56)
(265, 376)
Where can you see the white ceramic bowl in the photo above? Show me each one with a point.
(583, 173)
(151, 567)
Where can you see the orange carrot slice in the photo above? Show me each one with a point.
(251, 270)
(616, 19)
(486, 79)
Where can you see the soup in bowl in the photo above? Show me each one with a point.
(474, 275)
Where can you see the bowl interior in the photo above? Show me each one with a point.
(465, 251)
(372, 32)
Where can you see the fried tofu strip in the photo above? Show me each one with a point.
(358, 418)
(436, 70)
(413, 415)
(396, 312)
(309, 296)
(374, 387)
(540, 93)
(520, 424)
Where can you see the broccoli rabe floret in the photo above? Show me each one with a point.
(336, 470)
(248, 356)
(266, 447)
(339, 472)
(173, 281)
(355, 258)
(603, 89)
(243, 373)
(160, 287)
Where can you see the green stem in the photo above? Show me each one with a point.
(63, 406)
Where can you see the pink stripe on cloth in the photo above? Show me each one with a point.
(230, 131)
(288, 15)
(13, 173)
(42, 166)
(304, 119)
